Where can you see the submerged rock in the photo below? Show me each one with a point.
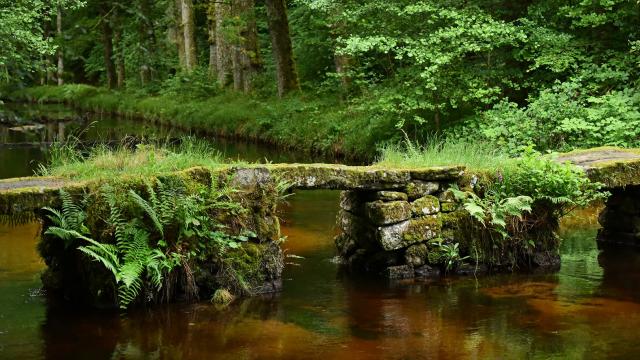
(399, 272)
(427, 271)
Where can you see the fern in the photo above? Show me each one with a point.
(106, 254)
(149, 209)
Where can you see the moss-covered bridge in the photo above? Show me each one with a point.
(392, 221)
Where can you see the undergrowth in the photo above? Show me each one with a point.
(150, 238)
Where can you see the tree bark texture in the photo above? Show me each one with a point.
(287, 75)
(59, 52)
(188, 27)
(176, 33)
(107, 43)
(223, 48)
(211, 39)
(148, 41)
(246, 60)
(120, 70)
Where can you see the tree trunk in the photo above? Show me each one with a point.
(287, 75)
(246, 59)
(211, 38)
(188, 27)
(107, 43)
(120, 71)
(342, 69)
(177, 32)
(59, 53)
(148, 42)
(223, 49)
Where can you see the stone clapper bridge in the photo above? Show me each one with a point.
(388, 217)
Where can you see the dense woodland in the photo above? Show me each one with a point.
(556, 74)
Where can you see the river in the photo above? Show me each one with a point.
(590, 309)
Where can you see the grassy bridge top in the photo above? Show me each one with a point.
(614, 167)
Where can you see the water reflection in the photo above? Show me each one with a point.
(23, 147)
(590, 309)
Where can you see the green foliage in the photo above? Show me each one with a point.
(493, 211)
(193, 85)
(544, 179)
(561, 118)
(149, 237)
(449, 255)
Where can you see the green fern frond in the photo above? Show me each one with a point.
(148, 209)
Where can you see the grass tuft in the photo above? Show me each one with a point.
(443, 152)
(103, 162)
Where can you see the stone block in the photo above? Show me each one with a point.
(352, 201)
(416, 255)
(447, 196)
(426, 205)
(390, 196)
(426, 271)
(448, 207)
(408, 232)
(385, 213)
(438, 173)
(417, 189)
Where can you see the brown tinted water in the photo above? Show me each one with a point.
(590, 309)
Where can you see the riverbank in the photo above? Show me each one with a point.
(321, 125)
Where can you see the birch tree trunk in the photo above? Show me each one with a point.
(287, 75)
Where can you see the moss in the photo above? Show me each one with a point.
(390, 196)
(616, 174)
(426, 205)
(421, 229)
(416, 255)
(222, 297)
(384, 213)
(449, 207)
(434, 256)
(416, 189)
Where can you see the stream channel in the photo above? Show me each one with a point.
(590, 309)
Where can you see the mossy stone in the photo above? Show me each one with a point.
(385, 213)
(447, 196)
(417, 189)
(416, 255)
(426, 205)
(390, 196)
(448, 207)
(408, 232)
